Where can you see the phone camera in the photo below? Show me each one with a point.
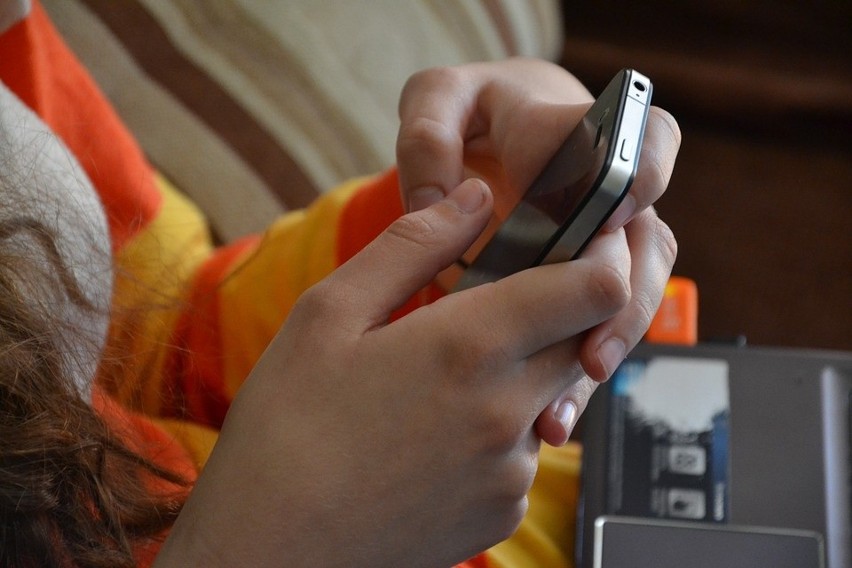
(639, 86)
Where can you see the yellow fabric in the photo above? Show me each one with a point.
(153, 270)
(296, 252)
(197, 440)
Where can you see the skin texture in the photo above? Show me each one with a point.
(504, 131)
(357, 442)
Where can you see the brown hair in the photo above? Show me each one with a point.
(71, 492)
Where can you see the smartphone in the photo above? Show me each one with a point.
(578, 189)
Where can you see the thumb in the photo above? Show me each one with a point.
(412, 251)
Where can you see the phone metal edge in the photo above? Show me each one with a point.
(581, 228)
(619, 174)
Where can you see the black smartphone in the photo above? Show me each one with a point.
(578, 189)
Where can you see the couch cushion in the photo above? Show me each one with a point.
(254, 107)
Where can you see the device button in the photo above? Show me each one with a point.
(626, 151)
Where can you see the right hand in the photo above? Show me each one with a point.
(504, 120)
(358, 442)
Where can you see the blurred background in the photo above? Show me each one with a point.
(761, 198)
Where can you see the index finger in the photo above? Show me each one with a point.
(528, 311)
(445, 112)
(430, 143)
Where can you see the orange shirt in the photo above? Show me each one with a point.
(191, 319)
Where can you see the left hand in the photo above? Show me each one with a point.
(504, 120)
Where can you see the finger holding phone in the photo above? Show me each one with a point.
(338, 425)
(505, 134)
(361, 441)
(511, 115)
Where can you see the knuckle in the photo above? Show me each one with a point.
(510, 520)
(666, 242)
(424, 135)
(505, 431)
(583, 389)
(659, 156)
(499, 434)
(521, 479)
(473, 347)
(655, 170)
(418, 132)
(512, 499)
(645, 308)
(432, 77)
(501, 521)
(662, 170)
(670, 125)
(659, 236)
(508, 489)
(318, 304)
(609, 285)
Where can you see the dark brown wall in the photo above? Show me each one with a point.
(761, 199)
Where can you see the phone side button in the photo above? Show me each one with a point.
(626, 150)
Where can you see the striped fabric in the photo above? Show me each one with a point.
(252, 108)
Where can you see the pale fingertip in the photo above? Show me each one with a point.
(556, 423)
(566, 414)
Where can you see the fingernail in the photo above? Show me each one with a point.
(468, 196)
(622, 214)
(423, 197)
(611, 353)
(566, 413)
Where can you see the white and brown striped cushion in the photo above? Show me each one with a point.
(254, 107)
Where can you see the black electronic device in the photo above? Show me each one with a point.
(578, 189)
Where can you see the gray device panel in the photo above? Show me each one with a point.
(622, 542)
(789, 442)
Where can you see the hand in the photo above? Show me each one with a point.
(504, 121)
(357, 442)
